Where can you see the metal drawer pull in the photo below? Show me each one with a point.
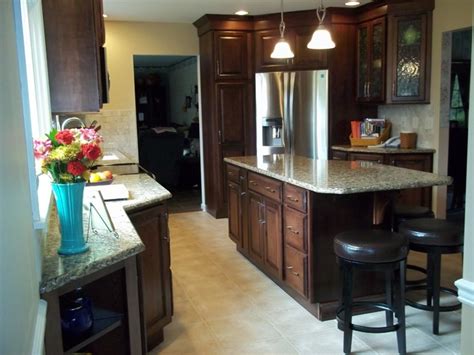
(291, 198)
(291, 270)
(253, 183)
(269, 189)
(230, 172)
(290, 228)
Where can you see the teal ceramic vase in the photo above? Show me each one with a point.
(69, 204)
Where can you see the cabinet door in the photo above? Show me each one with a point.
(264, 44)
(154, 271)
(234, 211)
(420, 196)
(232, 112)
(363, 60)
(72, 48)
(256, 226)
(231, 55)
(306, 58)
(338, 155)
(377, 158)
(273, 238)
(409, 55)
(376, 85)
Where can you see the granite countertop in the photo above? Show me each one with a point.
(114, 157)
(105, 248)
(337, 176)
(348, 148)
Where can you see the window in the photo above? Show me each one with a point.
(35, 91)
(457, 113)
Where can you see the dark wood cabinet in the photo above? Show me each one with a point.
(409, 58)
(273, 237)
(298, 39)
(226, 49)
(234, 211)
(256, 227)
(422, 161)
(232, 59)
(371, 61)
(74, 34)
(156, 302)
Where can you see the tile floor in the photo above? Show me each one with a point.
(224, 305)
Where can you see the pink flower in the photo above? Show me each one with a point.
(64, 137)
(41, 148)
(91, 151)
(90, 135)
(75, 168)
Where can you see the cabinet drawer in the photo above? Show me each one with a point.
(377, 158)
(295, 270)
(295, 197)
(295, 228)
(265, 186)
(233, 173)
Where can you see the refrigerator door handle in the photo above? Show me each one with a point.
(289, 110)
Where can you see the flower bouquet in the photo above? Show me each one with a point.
(66, 156)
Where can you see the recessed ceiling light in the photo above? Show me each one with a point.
(241, 13)
(104, 15)
(352, 3)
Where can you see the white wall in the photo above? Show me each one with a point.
(18, 276)
(182, 79)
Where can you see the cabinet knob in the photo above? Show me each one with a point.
(269, 189)
(253, 183)
(290, 268)
(291, 198)
(243, 193)
(290, 228)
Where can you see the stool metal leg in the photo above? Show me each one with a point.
(401, 332)
(389, 296)
(347, 303)
(429, 279)
(436, 290)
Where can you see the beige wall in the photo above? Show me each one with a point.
(467, 331)
(125, 39)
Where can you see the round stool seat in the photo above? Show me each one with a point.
(432, 232)
(404, 212)
(371, 246)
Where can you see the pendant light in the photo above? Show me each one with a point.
(282, 49)
(321, 37)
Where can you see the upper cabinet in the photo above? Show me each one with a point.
(393, 53)
(298, 39)
(232, 59)
(371, 61)
(409, 56)
(74, 35)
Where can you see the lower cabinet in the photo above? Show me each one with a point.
(155, 283)
(415, 161)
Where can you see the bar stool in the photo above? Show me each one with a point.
(434, 237)
(404, 213)
(377, 250)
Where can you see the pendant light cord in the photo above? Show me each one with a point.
(321, 12)
(282, 23)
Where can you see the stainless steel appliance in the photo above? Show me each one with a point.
(292, 113)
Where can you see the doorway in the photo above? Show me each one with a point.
(460, 75)
(167, 118)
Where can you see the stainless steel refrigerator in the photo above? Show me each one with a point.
(292, 113)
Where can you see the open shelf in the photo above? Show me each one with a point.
(104, 322)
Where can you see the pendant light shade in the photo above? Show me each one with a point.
(282, 49)
(321, 38)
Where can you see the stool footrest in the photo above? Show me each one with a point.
(417, 281)
(425, 307)
(365, 329)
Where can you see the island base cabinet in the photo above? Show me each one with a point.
(156, 303)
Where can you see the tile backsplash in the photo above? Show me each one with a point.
(119, 130)
(413, 118)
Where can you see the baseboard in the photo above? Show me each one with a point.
(465, 292)
(40, 326)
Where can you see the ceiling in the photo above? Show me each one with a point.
(188, 11)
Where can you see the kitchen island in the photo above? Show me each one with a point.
(113, 276)
(284, 212)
